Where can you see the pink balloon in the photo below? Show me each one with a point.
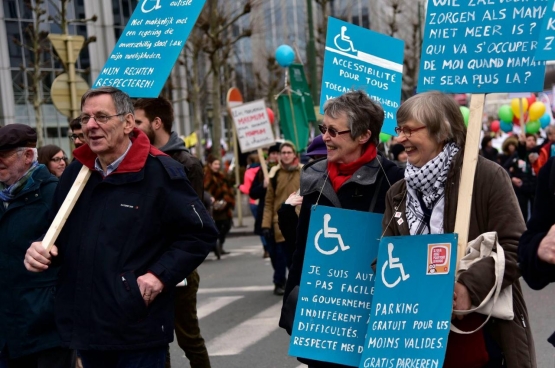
(270, 115)
(495, 126)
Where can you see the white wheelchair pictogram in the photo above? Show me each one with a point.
(329, 232)
(393, 262)
(155, 7)
(345, 39)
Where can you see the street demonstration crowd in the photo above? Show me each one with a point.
(121, 277)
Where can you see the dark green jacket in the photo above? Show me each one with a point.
(26, 298)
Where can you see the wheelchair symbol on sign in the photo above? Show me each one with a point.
(393, 262)
(345, 40)
(329, 232)
(155, 7)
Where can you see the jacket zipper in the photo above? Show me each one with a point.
(194, 209)
(522, 319)
(125, 283)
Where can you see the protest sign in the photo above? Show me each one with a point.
(481, 46)
(336, 286)
(252, 125)
(546, 46)
(149, 46)
(294, 124)
(413, 299)
(355, 59)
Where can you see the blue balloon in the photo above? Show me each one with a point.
(285, 55)
(506, 127)
(545, 120)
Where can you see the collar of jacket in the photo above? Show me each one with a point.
(40, 176)
(314, 175)
(133, 162)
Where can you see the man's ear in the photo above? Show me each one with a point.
(364, 137)
(156, 123)
(129, 123)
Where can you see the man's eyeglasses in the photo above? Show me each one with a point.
(100, 119)
(332, 131)
(407, 131)
(58, 159)
(73, 137)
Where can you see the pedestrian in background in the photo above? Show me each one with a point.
(154, 116)
(217, 184)
(54, 158)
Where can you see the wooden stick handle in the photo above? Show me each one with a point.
(464, 204)
(263, 164)
(66, 208)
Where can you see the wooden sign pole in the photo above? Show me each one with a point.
(66, 208)
(263, 164)
(466, 187)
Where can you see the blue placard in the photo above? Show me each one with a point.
(144, 56)
(356, 58)
(546, 42)
(481, 46)
(413, 301)
(336, 287)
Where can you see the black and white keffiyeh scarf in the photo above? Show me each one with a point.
(429, 183)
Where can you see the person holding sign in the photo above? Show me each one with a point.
(432, 130)
(354, 176)
(137, 230)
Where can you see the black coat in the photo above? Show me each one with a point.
(144, 217)
(258, 191)
(355, 194)
(536, 272)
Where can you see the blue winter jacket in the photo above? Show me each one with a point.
(144, 217)
(26, 299)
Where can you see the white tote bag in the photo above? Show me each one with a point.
(498, 303)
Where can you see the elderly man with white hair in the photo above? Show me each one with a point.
(28, 335)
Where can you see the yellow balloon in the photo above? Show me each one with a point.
(515, 106)
(536, 111)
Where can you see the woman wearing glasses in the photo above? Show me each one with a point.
(432, 130)
(54, 158)
(354, 176)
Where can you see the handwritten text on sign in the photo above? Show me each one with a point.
(253, 126)
(546, 44)
(149, 46)
(482, 46)
(413, 299)
(355, 59)
(337, 284)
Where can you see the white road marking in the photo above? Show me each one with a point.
(241, 289)
(246, 334)
(213, 304)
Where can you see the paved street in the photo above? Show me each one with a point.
(239, 313)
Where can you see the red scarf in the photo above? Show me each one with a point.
(340, 173)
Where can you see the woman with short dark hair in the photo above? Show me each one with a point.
(54, 158)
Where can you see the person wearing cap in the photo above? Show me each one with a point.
(399, 155)
(28, 336)
(317, 148)
(137, 230)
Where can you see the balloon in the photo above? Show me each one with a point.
(515, 106)
(465, 111)
(271, 115)
(533, 127)
(285, 55)
(516, 120)
(505, 113)
(384, 137)
(536, 110)
(495, 126)
(506, 127)
(531, 99)
(545, 120)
